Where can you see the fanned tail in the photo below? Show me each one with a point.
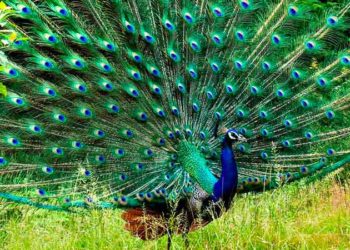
(102, 102)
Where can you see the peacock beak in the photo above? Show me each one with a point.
(241, 138)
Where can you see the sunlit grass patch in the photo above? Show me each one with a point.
(298, 216)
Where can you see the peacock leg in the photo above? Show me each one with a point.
(170, 234)
(186, 240)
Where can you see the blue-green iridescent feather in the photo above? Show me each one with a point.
(115, 103)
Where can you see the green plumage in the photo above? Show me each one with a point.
(194, 163)
(115, 103)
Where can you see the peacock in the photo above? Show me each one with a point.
(167, 109)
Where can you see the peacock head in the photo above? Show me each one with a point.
(234, 136)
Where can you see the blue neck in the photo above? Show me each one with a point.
(225, 188)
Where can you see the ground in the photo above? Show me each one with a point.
(298, 216)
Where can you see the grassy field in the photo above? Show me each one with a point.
(298, 216)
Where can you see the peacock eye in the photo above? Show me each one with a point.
(233, 135)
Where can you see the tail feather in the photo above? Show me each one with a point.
(96, 96)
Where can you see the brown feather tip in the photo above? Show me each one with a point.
(144, 223)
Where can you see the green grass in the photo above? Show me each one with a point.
(298, 216)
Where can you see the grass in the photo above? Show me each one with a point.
(298, 216)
